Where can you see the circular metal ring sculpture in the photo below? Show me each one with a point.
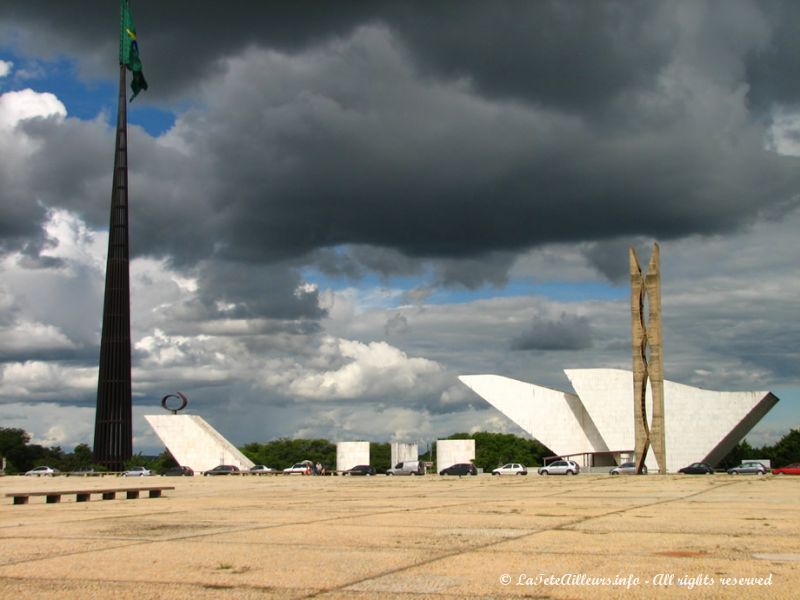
(178, 396)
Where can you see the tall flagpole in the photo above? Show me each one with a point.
(113, 435)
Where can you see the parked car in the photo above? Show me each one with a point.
(43, 471)
(697, 468)
(792, 469)
(179, 472)
(137, 472)
(222, 470)
(407, 467)
(511, 469)
(263, 470)
(301, 468)
(748, 468)
(560, 467)
(366, 470)
(627, 468)
(460, 469)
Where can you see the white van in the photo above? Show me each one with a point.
(407, 467)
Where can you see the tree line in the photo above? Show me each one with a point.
(491, 451)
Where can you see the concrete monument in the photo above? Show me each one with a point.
(644, 338)
(596, 424)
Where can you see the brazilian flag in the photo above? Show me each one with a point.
(129, 49)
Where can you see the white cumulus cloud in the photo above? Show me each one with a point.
(359, 369)
(28, 104)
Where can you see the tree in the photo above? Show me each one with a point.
(786, 450)
(284, 452)
(380, 456)
(22, 456)
(13, 447)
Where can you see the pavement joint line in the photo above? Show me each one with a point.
(139, 542)
(673, 496)
(489, 544)
(134, 582)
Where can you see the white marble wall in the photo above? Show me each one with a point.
(402, 451)
(451, 452)
(700, 425)
(196, 444)
(350, 454)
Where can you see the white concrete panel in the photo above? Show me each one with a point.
(350, 454)
(557, 419)
(196, 444)
(402, 452)
(700, 425)
(697, 420)
(451, 452)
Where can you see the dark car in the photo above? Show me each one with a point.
(460, 469)
(222, 470)
(697, 468)
(178, 472)
(361, 470)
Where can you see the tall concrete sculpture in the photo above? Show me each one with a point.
(647, 337)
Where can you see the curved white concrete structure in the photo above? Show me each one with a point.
(196, 444)
(701, 425)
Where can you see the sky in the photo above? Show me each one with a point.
(337, 208)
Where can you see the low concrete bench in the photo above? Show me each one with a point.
(84, 495)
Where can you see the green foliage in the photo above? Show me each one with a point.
(283, 453)
(493, 450)
(162, 462)
(22, 456)
(380, 456)
(80, 458)
(784, 451)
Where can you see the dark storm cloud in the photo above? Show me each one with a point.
(610, 258)
(459, 133)
(768, 66)
(568, 332)
(183, 41)
(229, 290)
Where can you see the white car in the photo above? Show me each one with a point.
(627, 468)
(511, 469)
(560, 467)
(42, 471)
(303, 468)
(262, 469)
(137, 472)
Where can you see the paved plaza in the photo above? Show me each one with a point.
(590, 536)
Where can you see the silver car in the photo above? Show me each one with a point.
(137, 472)
(627, 468)
(560, 467)
(748, 468)
(511, 469)
(42, 471)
